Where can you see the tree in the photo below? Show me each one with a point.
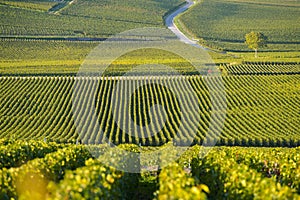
(256, 40)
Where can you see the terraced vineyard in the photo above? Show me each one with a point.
(69, 171)
(261, 110)
(252, 68)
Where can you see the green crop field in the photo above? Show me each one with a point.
(42, 56)
(103, 18)
(152, 125)
(31, 4)
(70, 172)
(254, 68)
(39, 107)
(224, 23)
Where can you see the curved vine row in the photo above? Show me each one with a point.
(261, 110)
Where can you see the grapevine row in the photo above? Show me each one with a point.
(228, 179)
(261, 110)
(41, 170)
(262, 68)
(94, 171)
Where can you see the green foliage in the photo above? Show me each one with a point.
(136, 12)
(222, 24)
(224, 173)
(50, 57)
(281, 164)
(42, 56)
(256, 40)
(228, 179)
(253, 117)
(33, 177)
(175, 184)
(30, 4)
(19, 152)
(124, 157)
(103, 18)
(263, 68)
(7, 189)
(6, 141)
(93, 181)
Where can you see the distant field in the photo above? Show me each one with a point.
(138, 12)
(31, 4)
(255, 68)
(261, 110)
(45, 57)
(84, 18)
(224, 23)
(270, 2)
(42, 57)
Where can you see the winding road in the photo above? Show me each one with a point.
(169, 21)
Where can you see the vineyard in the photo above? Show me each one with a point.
(246, 173)
(53, 57)
(37, 57)
(261, 110)
(222, 24)
(69, 171)
(34, 5)
(57, 57)
(74, 21)
(142, 115)
(265, 68)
